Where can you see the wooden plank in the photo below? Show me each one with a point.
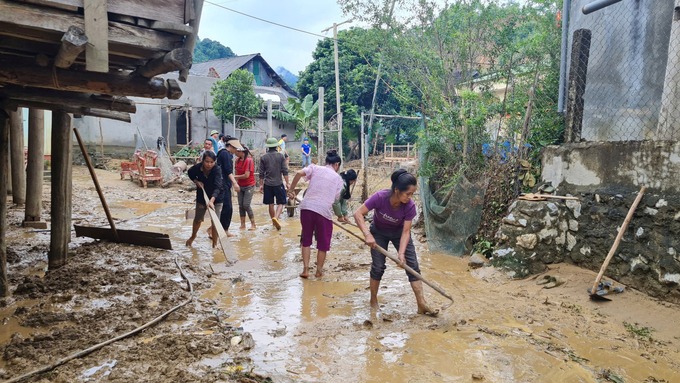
(54, 4)
(133, 237)
(178, 29)
(26, 73)
(96, 29)
(171, 11)
(45, 24)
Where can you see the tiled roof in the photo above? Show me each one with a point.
(224, 67)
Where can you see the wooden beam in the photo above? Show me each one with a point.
(61, 190)
(26, 73)
(96, 28)
(190, 41)
(74, 99)
(120, 116)
(45, 24)
(75, 110)
(176, 59)
(4, 178)
(73, 43)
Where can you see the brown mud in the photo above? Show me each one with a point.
(257, 321)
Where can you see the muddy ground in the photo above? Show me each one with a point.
(257, 321)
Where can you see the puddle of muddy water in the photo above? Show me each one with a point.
(322, 330)
(314, 330)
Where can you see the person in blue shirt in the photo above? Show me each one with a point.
(306, 150)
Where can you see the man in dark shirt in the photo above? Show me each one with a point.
(272, 167)
(224, 160)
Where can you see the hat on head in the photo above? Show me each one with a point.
(214, 132)
(231, 141)
(271, 142)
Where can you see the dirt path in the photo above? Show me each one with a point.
(498, 330)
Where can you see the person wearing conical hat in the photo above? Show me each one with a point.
(272, 169)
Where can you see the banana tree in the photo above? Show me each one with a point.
(302, 113)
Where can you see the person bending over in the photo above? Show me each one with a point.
(393, 215)
(316, 215)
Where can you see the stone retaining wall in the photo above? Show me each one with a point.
(535, 233)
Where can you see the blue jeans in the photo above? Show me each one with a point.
(306, 160)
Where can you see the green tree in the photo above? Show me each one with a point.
(302, 113)
(235, 96)
(206, 50)
(358, 61)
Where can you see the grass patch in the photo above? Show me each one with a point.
(638, 331)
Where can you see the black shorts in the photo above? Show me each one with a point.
(274, 192)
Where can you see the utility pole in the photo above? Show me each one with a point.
(337, 80)
(319, 149)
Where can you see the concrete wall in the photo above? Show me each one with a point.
(626, 69)
(614, 167)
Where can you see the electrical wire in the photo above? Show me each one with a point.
(267, 21)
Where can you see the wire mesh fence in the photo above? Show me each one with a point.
(624, 74)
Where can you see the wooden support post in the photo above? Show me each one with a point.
(4, 173)
(16, 147)
(61, 189)
(187, 111)
(167, 132)
(35, 166)
(176, 59)
(97, 30)
(580, 52)
(73, 43)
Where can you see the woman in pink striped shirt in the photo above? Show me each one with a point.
(316, 212)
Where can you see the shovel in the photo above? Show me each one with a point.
(218, 232)
(594, 296)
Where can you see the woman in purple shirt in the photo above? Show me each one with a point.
(393, 214)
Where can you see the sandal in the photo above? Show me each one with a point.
(544, 280)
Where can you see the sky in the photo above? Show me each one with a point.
(279, 46)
